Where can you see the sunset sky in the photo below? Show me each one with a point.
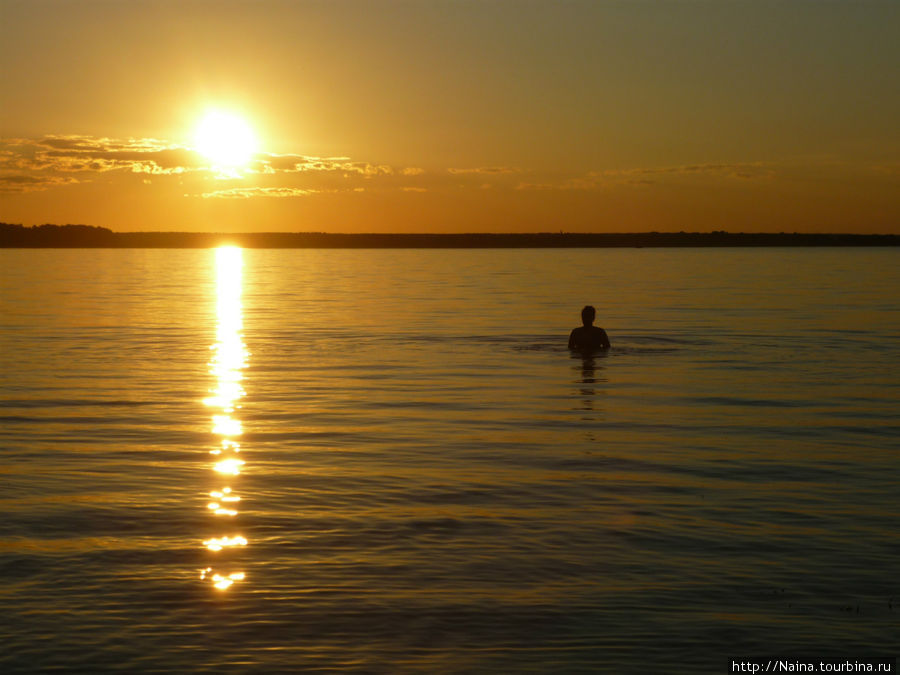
(462, 116)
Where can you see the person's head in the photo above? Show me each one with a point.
(588, 314)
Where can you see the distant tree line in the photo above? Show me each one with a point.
(55, 236)
(86, 236)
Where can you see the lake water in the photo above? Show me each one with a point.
(387, 461)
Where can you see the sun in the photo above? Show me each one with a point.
(225, 139)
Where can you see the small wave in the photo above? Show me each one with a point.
(687, 340)
(752, 402)
(541, 347)
(70, 403)
(629, 349)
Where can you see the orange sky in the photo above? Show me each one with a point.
(454, 116)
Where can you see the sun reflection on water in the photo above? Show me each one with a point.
(226, 366)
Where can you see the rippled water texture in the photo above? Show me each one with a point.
(387, 461)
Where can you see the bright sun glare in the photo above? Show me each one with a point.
(226, 139)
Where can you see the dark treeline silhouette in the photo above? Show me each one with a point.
(86, 236)
(63, 236)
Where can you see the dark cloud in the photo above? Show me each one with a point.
(30, 183)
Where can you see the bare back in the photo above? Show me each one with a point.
(588, 339)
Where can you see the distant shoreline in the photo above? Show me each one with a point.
(84, 236)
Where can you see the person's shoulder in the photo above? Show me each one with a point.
(575, 336)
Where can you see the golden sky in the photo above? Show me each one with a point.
(452, 116)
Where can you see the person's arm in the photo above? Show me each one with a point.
(604, 339)
(572, 339)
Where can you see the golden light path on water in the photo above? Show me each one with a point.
(227, 364)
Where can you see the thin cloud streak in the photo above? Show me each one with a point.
(645, 176)
(733, 170)
(300, 163)
(247, 193)
(486, 170)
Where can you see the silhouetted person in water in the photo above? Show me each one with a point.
(588, 338)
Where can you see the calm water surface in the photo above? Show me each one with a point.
(387, 461)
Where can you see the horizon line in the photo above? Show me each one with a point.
(86, 236)
(556, 233)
